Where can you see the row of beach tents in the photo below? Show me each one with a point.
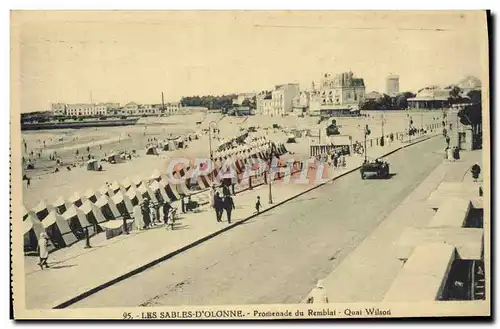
(64, 220)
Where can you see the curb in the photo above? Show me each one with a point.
(81, 296)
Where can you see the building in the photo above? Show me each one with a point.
(80, 109)
(432, 97)
(243, 97)
(341, 94)
(58, 108)
(392, 85)
(300, 103)
(278, 102)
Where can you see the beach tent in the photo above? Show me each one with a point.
(151, 151)
(92, 212)
(42, 210)
(160, 191)
(134, 196)
(91, 195)
(107, 207)
(146, 192)
(58, 230)
(104, 190)
(75, 199)
(136, 181)
(116, 187)
(172, 146)
(92, 165)
(126, 183)
(156, 175)
(172, 192)
(60, 205)
(123, 204)
(32, 229)
(77, 220)
(114, 158)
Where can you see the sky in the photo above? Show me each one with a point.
(134, 56)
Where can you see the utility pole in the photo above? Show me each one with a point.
(162, 103)
(270, 177)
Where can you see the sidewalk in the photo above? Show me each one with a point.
(81, 271)
(367, 273)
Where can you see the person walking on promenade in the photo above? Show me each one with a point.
(43, 250)
(212, 196)
(335, 160)
(228, 206)
(342, 161)
(475, 170)
(145, 213)
(152, 213)
(258, 205)
(166, 212)
(318, 294)
(218, 206)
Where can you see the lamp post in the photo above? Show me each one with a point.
(210, 137)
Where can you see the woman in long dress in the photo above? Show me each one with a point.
(43, 250)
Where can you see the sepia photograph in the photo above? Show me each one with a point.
(242, 165)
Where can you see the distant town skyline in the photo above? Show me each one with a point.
(134, 56)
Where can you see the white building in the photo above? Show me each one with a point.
(58, 108)
(392, 85)
(337, 95)
(242, 97)
(278, 102)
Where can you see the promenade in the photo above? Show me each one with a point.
(79, 271)
(367, 273)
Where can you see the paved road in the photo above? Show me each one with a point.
(278, 256)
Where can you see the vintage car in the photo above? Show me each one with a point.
(377, 167)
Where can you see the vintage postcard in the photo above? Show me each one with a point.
(250, 164)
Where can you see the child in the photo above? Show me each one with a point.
(258, 205)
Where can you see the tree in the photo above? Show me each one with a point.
(455, 93)
(475, 96)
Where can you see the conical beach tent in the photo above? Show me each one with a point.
(32, 229)
(123, 204)
(60, 205)
(42, 210)
(77, 221)
(107, 207)
(58, 230)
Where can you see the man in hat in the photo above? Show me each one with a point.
(475, 170)
(318, 294)
(145, 213)
(43, 250)
(228, 206)
(218, 206)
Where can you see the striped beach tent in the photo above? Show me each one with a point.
(91, 195)
(76, 220)
(32, 227)
(172, 192)
(42, 210)
(158, 190)
(134, 196)
(126, 183)
(156, 175)
(60, 205)
(107, 207)
(75, 199)
(92, 213)
(146, 192)
(123, 204)
(58, 230)
(137, 181)
(104, 190)
(116, 187)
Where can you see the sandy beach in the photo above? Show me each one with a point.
(103, 141)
